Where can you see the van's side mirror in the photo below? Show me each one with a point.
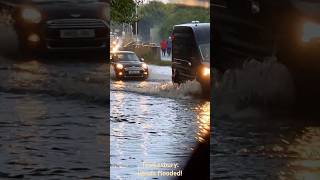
(141, 59)
(193, 59)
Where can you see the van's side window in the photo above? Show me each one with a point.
(184, 45)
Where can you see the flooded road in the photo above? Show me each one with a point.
(256, 135)
(266, 148)
(154, 122)
(41, 140)
(54, 115)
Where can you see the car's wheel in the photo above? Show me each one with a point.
(145, 77)
(26, 51)
(305, 75)
(118, 78)
(205, 90)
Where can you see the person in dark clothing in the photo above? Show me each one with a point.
(169, 46)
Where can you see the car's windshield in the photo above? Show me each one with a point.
(125, 57)
(205, 51)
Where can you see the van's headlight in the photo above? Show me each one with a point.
(119, 66)
(206, 71)
(144, 66)
(31, 15)
(310, 31)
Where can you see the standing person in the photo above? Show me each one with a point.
(163, 46)
(172, 36)
(169, 46)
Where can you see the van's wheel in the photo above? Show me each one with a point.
(175, 77)
(205, 90)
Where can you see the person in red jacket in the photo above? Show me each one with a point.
(163, 46)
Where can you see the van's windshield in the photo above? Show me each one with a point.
(205, 51)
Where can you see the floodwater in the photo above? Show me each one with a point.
(46, 137)
(54, 115)
(152, 122)
(255, 134)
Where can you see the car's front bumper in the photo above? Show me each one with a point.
(137, 72)
(50, 38)
(87, 44)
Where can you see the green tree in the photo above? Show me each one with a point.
(183, 14)
(123, 11)
(155, 12)
(167, 15)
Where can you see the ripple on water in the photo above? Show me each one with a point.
(56, 143)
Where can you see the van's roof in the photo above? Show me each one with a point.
(194, 25)
(201, 31)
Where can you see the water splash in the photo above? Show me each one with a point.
(167, 89)
(259, 84)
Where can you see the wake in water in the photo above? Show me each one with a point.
(168, 90)
(80, 81)
(256, 84)
(158, 84)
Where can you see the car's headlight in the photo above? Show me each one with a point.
(119, 66)
(144, 66)
(32, 15)
(310, 31)
(206, 71)
(115, 48)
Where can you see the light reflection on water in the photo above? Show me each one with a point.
(305, 164)
(119, 85)
(203, 121)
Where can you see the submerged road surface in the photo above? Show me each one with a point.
(155, 125)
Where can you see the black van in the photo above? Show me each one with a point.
(191, 53)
